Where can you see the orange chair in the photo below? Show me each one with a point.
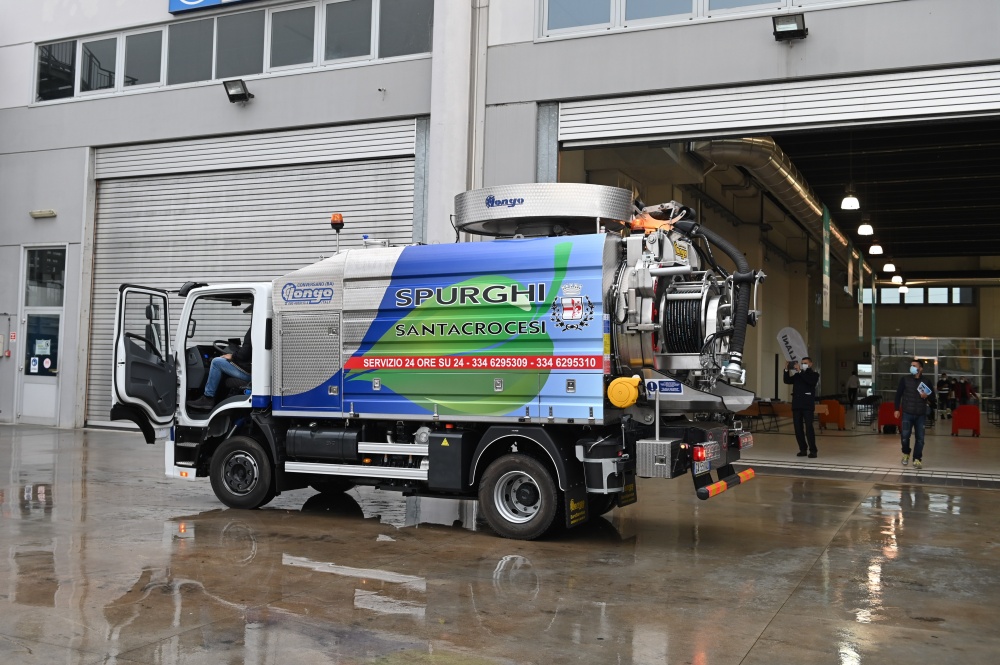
(965, 417)
(886, 417)
(835, 415)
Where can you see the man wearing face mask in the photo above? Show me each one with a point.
(803, 380)
(911, 402)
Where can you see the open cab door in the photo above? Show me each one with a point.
(144, 381)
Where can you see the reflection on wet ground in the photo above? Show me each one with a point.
(105, 561)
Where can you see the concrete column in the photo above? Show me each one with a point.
(451, 95)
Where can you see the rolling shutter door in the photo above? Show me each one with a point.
(232, 226)
(756, 109)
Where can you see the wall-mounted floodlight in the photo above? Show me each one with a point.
(237, 91)
(42, 214)
(789, 26)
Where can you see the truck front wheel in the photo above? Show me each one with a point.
(241, 474)
(519, 497)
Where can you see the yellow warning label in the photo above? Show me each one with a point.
(445, 443)
(607, 344)
(681, 251)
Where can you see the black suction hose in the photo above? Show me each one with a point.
(742, 279)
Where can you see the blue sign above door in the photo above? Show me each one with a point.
(179, 6)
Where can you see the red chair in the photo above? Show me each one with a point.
(886, 416)
(835, 415)
(965, 417)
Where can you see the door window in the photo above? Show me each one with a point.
(45, 278)
(41, 346)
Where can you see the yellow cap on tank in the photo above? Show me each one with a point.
(624, 391)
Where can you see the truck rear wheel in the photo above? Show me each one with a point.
(241, 474)
(599, 504)
(332, 485)
(519, 497)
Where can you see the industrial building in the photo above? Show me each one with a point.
(161, 142)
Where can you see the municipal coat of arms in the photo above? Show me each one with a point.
(573, 310)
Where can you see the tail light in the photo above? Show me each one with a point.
(698, 453)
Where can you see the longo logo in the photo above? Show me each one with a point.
(493, 202)
(306, 295)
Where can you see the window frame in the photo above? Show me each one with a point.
(121, 43)
(318, 36)
(372, 41)
(215, 39)
(700, 14)
(37, 69)
(119, 61)
(616, 11)
(666, 19)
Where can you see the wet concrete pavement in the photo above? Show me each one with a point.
(106, 561)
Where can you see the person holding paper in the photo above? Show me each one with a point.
(911, 402)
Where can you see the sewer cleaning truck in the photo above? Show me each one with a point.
(590, 342)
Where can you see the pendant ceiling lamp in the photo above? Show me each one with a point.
(897, 279)
(875, 249)
(889, 266)
(866, 226)
(903, 288)
(850, 201)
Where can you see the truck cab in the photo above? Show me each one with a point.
(157, 377)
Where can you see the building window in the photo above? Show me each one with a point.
(239, 45)
(405, 27)
(292, 36)
(564, 14)
(189, 51)
(56, 71)
(236, 44)
(348, 30)
(97, 64)
(937, 296)
(715, 5)
(143, 57)
(918, 295)
(45, 277)
(637, 10)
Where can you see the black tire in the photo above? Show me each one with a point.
(332, 485)
(518, 497)
(600, 504)
(242, 476)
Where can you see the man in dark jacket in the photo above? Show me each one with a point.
(911, 402)
(803, 380)
(237, 364)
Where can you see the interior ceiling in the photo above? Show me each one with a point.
(931, 189)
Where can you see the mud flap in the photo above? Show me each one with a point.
(576, 505)
(629, 494)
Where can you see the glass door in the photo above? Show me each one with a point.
(40, 335)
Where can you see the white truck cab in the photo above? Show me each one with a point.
(156, 378)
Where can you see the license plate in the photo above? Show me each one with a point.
(702, 467)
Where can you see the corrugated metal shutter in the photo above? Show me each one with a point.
(307, 146)
(754, 109)
(231, 226)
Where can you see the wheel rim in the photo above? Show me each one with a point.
(240, 473)
(516, 497)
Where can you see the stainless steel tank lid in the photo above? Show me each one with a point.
(542, 209)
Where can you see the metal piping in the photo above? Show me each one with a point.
(773, 169)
